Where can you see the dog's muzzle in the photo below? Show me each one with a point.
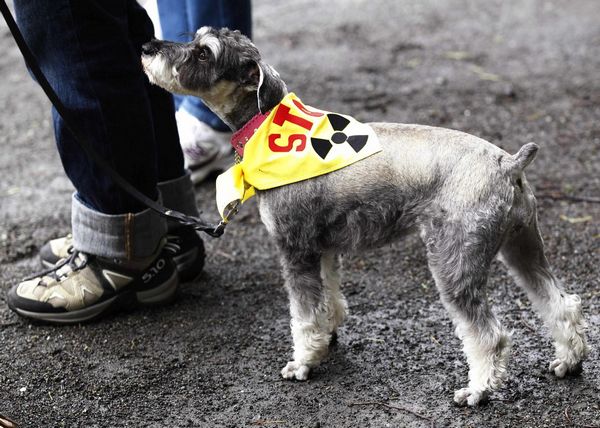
(149, 49)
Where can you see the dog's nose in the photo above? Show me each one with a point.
(148, 48)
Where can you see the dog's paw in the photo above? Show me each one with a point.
(470, 396)
(295, 370)
(561, 368)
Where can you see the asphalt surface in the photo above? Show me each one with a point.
(509, 71)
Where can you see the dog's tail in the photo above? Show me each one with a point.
(525, 156)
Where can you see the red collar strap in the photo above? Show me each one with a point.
(241, 137)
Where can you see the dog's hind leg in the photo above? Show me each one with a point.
(335, 302)
(460, 264)
(310, 311)
(523, 254)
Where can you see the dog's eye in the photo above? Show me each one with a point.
(202, 55)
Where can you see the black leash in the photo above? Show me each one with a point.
(197, 223)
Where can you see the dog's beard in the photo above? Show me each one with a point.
(160, 73)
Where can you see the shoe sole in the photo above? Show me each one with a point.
(154, 297)
(160, 295)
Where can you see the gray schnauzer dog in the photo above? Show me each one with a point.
(469, 200)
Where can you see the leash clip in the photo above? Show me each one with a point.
(233, 210)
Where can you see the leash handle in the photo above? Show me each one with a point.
(195, 222)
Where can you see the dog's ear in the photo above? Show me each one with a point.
(270, 89)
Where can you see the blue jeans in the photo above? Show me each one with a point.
(89, 50)
(180, 16)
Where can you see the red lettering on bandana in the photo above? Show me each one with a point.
(306, 111)
(275, 147)
(291, 140)
(283, 115)
(294, 137)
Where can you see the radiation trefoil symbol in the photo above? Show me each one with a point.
(338, 123)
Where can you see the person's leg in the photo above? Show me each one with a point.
(146, 127)
(130, 122)
(89, 50)
(85, 51)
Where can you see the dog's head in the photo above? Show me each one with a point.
(222, 67)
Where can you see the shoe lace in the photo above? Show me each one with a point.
(74, 262)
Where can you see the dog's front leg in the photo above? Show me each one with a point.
(336, 304)
(311, 326)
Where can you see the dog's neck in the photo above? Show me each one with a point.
(246, 109)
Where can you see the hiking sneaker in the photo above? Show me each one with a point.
(189, 252)
(82, 286)
(55, 250)
(204, 150)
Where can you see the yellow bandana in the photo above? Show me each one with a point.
(294, 143)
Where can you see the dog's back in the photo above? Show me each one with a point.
(423, 175)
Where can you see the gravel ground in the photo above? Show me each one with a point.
(508, 71)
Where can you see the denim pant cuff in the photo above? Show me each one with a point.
(128, 236)
(179, 195)
(122, 236)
